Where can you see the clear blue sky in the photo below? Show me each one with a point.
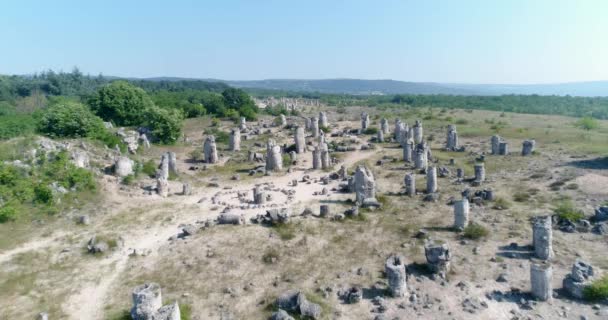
(472, 41)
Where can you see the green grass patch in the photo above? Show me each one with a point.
(566, 210)
(598, 290)
(475, 231)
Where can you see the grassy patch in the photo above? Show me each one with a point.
(598, 290)
(271, 256)
(286, 231)
(475, 231)
(501, 204)
(566, 210)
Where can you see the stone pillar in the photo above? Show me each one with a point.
(300, 140)
(323, 120)
(259, 197)
(365, 185)
(314, 126)
(452, 138)
(438, 257)
(324, 210)
(172, 162)
(162, 187)
(384, 126)
(316, 158)
(461, 214)
(293, 156)
(431, 180)
(410, 184)
(163, 168)
(325, 158)
(495, 141)
(459, 173)
(186, 189)
(274, 159)
(398, 127)
(380, 136)
(235, 140)
(243, 124)
(541, 275)
(396, 275)
(503, 148)
(480, 173)
(210, 150)
(364, 121)
(342, 173)
(418, 133)
(321, 138)
(282, 120)
(147, 299)
(528, 147)
(308, 124)
(542, 238)
(420, 161)
(408, 146)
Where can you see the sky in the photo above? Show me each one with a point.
(456, 41)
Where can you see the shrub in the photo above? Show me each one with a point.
(43, 194)
(371, 131)
(16, 125)
(8, 213)
(598, 290)
(566, 211)
(501, 204)
(70, 119)
(587, 123)
(122, 103)
(475, 231)
(165, 124)
(128, 180)
(197, 155)
(149, 168)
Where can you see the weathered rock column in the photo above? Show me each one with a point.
(314, 126)
(235, 140)
(398, 127)
(420, 161)
(323, 120)
(576, 281)
(162, 187)
(503, 148)
(316, 158)
(163, 168)
(342, 172)
(431, 180)
(396, 275)
(274, 160)
(300, 140)
(186, 189)
(410, 184)
(528, 147)
(495, 141)
(540, 280)
(480, 172)
(418, 133)
(384, 126)
(123, 166)
(408, 146)
(210, 150)
(461, 214)
(325, 158)
(365, 185)
(172, 162)
(380, 136)
(243, 124)
(293, 156)
(438, 257)
(364, 121)
(452, 138)
(324, 210)
(542, 238)
(147, 299)
(282, 120)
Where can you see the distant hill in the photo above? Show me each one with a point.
(357, 86)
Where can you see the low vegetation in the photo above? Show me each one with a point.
(597, 291)
(475, 231)
(566, 211)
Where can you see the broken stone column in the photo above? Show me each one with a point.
(300, 140)
(581, 277)
(210, 150)
(316, 158)
(431, 180)
(235, 140)
(495, 141)
(410, 184)
(364, 121)
(162, 187)
(380, 136)
(325, 158)
(186, 189)
(528, 147)
(408, 146)
(480, 172)
(243, 124)
(147, 300)
(503, 148)
(384, 126)
(314, 126)
(323, 123)
(123, 166)
(396, 275)
(452, 138)
(420, 161)
(274, 160)
(438, 257)
(417, 131)
(461, 214)
(365, 186)
(259, 197)
(542, 238)
(540, 280)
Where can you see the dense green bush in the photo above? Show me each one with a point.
(598, 290)
(587, 123)
(475, 231)
(70, 119)
(165, 124)
(122, 103)
(565, 210)
(16, 125)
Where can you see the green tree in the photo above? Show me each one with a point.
(240, 101)
(121, 102)
(165, 124)
(70, 119)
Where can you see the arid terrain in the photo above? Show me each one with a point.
(237, 271)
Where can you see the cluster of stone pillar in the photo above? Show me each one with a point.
(528, 147)
(542, 238)
(364, 121)
(461, 214)
(410, 184)
(235, 140)
(210, 150)
(452, 138)
(396, 275)
(274, 159)
(499, 146)
(431, 179)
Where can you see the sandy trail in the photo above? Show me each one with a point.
(89, 301)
